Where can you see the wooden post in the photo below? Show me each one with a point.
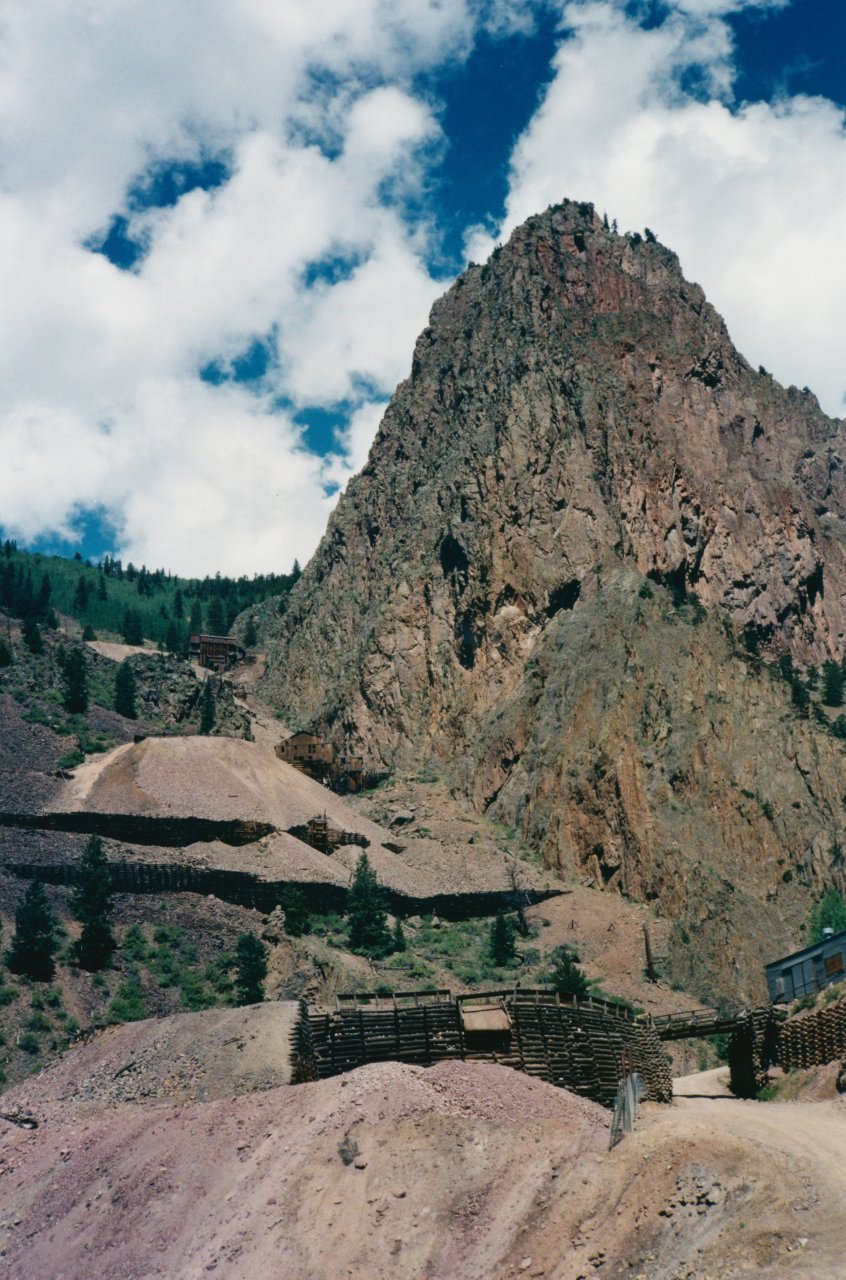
(651, 971)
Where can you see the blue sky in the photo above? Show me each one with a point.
(222, 227)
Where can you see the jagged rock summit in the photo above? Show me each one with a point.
(576, 504)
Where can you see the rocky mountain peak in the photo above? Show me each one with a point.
(576, 423)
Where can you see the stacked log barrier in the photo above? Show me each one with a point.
(651, 1061)
(304, 1067)
(578, 1047)
(813, 1038)
(247, 890)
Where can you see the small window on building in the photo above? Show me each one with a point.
(834, 964)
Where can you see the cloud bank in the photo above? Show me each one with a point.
(168, 395)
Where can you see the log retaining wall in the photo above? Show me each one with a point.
(574, 1046)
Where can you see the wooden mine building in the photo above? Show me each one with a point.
(218, 653)
(318, 759)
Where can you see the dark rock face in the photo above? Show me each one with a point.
(579, 460)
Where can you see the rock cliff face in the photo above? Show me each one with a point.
(576, 424)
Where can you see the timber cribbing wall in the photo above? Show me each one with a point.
(577, 1047)
(248, 890)
(813, 1039)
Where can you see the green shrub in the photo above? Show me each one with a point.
(128, 1003)
(134, 943)
(193, 993)
(29, 1043)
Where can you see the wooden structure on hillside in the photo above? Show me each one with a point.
(580, 1046)
(319, 760)
(217, 653)
(320, 835)
(807, 971)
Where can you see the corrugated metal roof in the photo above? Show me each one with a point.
(485, 1017)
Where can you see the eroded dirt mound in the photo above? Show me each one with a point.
(395, 1172)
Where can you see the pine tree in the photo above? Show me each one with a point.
(32, 635)
(34, 944)
(297, 918)
(368, 921)
(174, 638)
(398, 942)
(6, 656)
(250, 635)
(76, 683)
(92, 907)
(833, 684)
(133, 627)
(250, 969)
(196, 620)
(178, 606)
(125, 691)
(207, 709)
(567, 977)
(80, 596)
(501, 943)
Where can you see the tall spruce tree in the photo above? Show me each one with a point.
(133, 627)
(125, 691)
(76, 682)
(250, 969)
(501, 944)
(34, 944)
(92, 907)
(368, 921)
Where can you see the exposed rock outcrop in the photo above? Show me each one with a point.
(578, 451)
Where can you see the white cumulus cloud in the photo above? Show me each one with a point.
(750, 195)
(324, 140)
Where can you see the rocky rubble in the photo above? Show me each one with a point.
(168, 692)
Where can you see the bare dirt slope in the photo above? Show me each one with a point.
(185, 1057)
(394, 1172)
